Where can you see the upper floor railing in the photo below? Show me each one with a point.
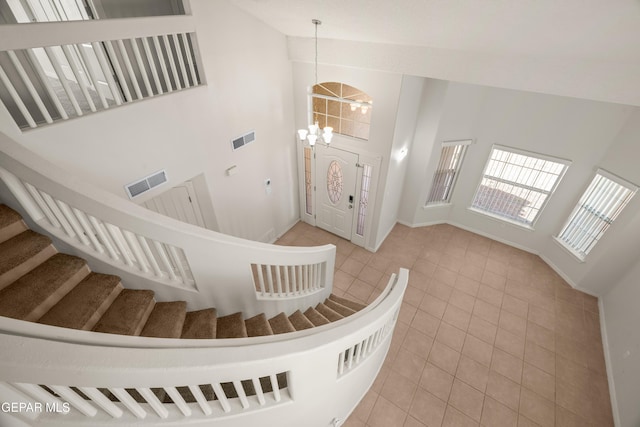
(314, 377)
(151, 251)
(60, 70)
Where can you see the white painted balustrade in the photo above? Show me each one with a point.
(149, 251)
(84, 67)
(312, 377)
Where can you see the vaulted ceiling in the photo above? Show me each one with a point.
(596, 34)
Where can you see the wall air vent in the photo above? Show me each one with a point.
(145, 184)
(243, 140)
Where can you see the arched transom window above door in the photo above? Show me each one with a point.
(344, 108)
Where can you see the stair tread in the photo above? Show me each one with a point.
(339, 308)
(355, 306)
(11, 223)
(281, 324)
(299, 321)
(22, 253)
(315, 317)
(166, 320)
(231, 326)
(200, 324)
(258, 326)
(33, 294)
(128, 313)
(85, 303)
(327, 312)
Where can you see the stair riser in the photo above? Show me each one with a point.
(22, 269)
(144, 318)
(91, 322)
(53, 299)
(12, 230)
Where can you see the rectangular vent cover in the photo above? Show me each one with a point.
(145, 184)
(243, 140)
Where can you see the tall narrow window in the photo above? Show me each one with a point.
(446, 174)
(307, 181)
(364, 198)
(596, 210)
(516, 184)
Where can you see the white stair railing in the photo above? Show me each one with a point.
(73, 73)
(301, 378)
(178, 261)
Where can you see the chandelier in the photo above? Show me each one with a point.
(314, 133)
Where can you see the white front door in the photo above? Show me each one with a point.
(336, 172)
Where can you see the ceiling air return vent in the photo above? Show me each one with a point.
(243, 140)
(145, 184)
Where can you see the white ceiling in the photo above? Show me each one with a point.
(599, 30)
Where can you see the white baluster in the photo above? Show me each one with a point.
(16, 99)
(152, 260)
(27, 82)
(103, 237)
(35, 63)
(163, 64)
(56, 212)
(154, 402)
(102, 401)
(39, 394)
(202, 401)
(77, 229)
(92, 75)
(278, 280)
(270, 280)
(137, 252)
(241, 394)
(179, 54)
(173, 252)
(128, 401)
(141, 67)
(106, 70)
(116, 236)
(129, 67)
(192, 68)
(178, 400)
(152, 65)
(75, 400)
(222, 398)
(260, 278)
(82, 219)
(164, 259)
(63, 80)
(78, 75)
(287, 288)
(118, 69)
(259, 393)
(341, 363)
(172, 63)
(275, 387)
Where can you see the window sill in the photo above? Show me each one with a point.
(438, 205)
(501, 219)
(570, 251)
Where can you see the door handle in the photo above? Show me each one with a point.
(351, 201)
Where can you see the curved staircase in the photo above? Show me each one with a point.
(38, 284)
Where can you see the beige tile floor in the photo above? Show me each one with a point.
(488, 334)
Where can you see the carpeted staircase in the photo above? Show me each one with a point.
(38, 284)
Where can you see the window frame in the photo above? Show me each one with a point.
(366, 105)
(465, 143)
(531, 154)
(609, 220)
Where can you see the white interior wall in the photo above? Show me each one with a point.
(622, 318)
(585, 132)
(248, 87)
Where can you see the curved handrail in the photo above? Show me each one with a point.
(149, 250)
(327, 369)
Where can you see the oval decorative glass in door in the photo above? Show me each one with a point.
(334, 182)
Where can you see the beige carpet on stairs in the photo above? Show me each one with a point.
(38, 284)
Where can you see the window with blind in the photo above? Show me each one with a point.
(446, 174)
(599, 206)
(516, 184)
